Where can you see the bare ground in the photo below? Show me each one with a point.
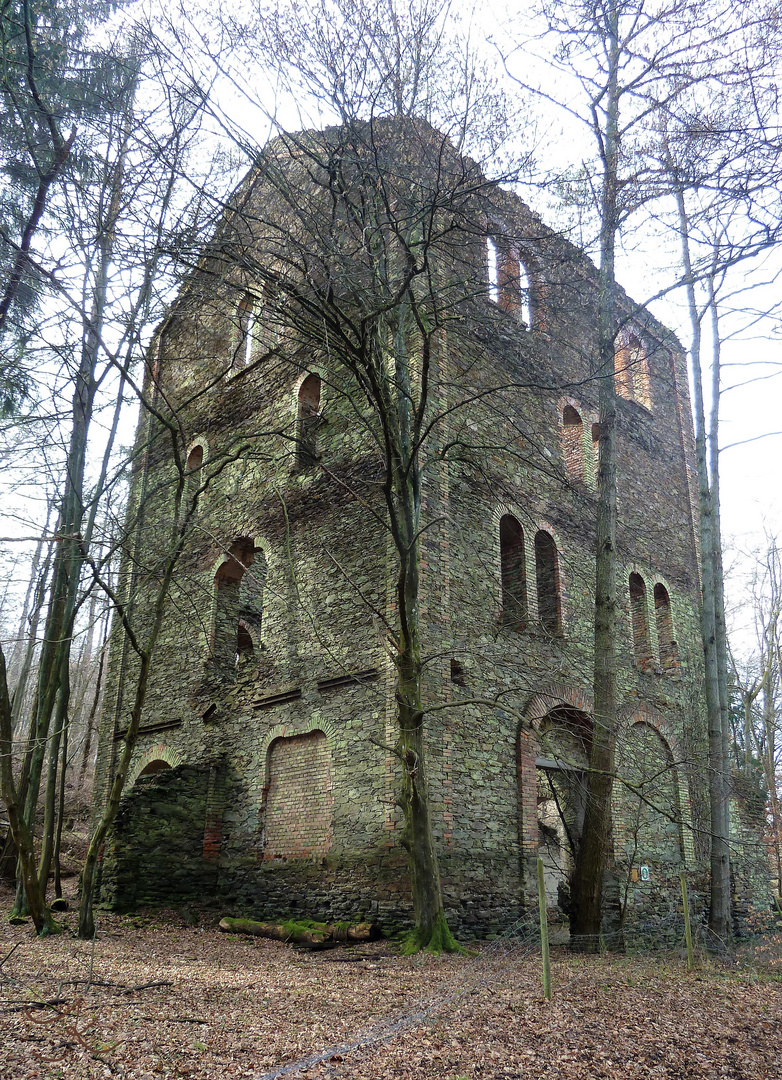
(155, 997)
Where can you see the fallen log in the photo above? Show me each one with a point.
(303, 932)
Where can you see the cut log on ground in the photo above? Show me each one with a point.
(315, 935)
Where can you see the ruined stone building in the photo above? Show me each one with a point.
(264, 773)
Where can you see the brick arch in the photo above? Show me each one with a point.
(297, 802)
(537, 708)
(554, 695)
(640, 713)
(198, 440)
(292, 728)
(160, 752)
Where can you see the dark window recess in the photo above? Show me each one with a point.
(513, 574)
(458, 677)
(547, 574)
(308, 421)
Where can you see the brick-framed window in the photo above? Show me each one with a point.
(508, 280)
(639, 620)
(548, 583)
(308, 421)
(193, 476)
(513, 573)
(227, 603)
(669, 650)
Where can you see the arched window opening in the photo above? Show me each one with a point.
(513, 573)
(308, 421)
(547, 575)
(251, 601)
(153, 767)
(638, 617)
(631, 371)
(492, 270)
(246, 318)
(525, 296)
(647, 809)
(227, 602)
(573, 443)
(669, 650)
(193, 479)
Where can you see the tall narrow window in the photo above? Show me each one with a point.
(493, 270)
(638, 617)
(639, 371)
(227, 631)
(631, 371)
(513, 573)
(193, 479)
(251, 601)
(246, 315)
(573, 443)
(547, 574)
(525, 297)
(596, 450)
(308, 420)
(669, 650)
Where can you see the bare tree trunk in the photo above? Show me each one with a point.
(23, 836)
(60, 814)
(594, 849)
(720, 898)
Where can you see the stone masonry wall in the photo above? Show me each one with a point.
(293, 548)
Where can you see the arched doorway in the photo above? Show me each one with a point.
(564, 739)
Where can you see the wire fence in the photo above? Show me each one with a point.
(519, 942)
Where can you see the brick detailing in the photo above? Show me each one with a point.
(573, 443)
(547, 578)
(299, 798)
(150, 757)
(513, 573)
(669, 650)
(213, 823)
(639, 619)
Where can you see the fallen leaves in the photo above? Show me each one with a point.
(156, 999)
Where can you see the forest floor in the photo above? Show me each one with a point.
(166, 995)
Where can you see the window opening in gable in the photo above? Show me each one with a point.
(547, 575)
(573, 443)
(513, 572)
(641, 648)
(525, 296)
(246, 318)
(193, 477)
(492, 270)
(308, 421)
(669, 650)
